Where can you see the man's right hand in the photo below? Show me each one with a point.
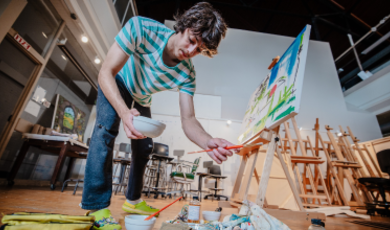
(127, 118)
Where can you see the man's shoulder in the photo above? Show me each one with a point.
(189, 65)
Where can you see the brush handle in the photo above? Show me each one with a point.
(150, 217)
(209, 150)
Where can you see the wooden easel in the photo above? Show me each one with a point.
(371, 148)
(345, 165)
(247, 168)
(315, 161)
(334, 186)
(362, 156)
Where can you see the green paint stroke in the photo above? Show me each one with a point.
(272, 113)
(291, 99)
(285, 113)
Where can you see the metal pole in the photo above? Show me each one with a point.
(382, 39)
(124, 15)
(354, 50)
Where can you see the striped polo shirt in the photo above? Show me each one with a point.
(145, 73)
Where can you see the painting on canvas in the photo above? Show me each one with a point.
(68, 118)
(278, 96)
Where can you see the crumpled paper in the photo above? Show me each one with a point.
(249, 213)
(262, 220)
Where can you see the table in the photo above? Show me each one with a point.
(63, 146)
(200, 182)
(160, 158)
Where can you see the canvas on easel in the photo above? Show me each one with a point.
(275, 101)
(279, 94)
(68, 118)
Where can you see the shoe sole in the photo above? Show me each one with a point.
(135, 211)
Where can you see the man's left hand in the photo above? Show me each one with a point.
(219, 152)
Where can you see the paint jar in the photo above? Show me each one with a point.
(316, 224)
(194, 210)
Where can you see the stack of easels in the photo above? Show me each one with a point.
(303, 164)
(312, 176)
(308, 188)
(344, 163)
(369, 149)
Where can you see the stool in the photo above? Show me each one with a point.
(215, 172)
(124, 164)
(65, 184)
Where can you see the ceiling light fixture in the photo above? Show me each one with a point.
(97, 60)
(229, 122)
(84, 39)
(63, 57)
(43, 33)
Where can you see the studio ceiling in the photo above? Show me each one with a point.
(331, 21)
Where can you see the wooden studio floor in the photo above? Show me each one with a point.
(42, 199)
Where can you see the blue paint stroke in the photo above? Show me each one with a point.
(290, 53)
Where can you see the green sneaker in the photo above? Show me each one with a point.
(140, 208)
(104, 220)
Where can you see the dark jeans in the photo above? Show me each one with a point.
(98, 171)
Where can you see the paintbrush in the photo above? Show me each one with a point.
(150, 217)
(229, 147)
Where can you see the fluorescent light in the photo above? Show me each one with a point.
(229, 122)
(84, 39)
(63, 57)
(43, 33)
(97, 60)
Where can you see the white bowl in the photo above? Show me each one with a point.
(138, 222)
(148, 127)
(211, 216)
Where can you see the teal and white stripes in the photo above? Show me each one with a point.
(145, 73)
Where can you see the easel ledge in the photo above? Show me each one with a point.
(263, 136)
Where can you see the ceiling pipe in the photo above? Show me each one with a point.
(373, 29)
(382, 39)
(354, 51)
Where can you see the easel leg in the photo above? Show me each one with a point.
(240, 174)
(266, 171)
(290, 181)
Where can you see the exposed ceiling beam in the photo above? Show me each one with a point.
(235, 6)
(354, 6)
(337, 27)
(337, 7)
(271, 17)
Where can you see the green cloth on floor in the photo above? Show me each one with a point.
(39, 221)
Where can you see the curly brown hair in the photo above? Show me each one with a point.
(205, 22)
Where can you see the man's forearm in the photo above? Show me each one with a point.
(110, 89)
(195, 132)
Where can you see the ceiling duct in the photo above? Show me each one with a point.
(67, 49)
